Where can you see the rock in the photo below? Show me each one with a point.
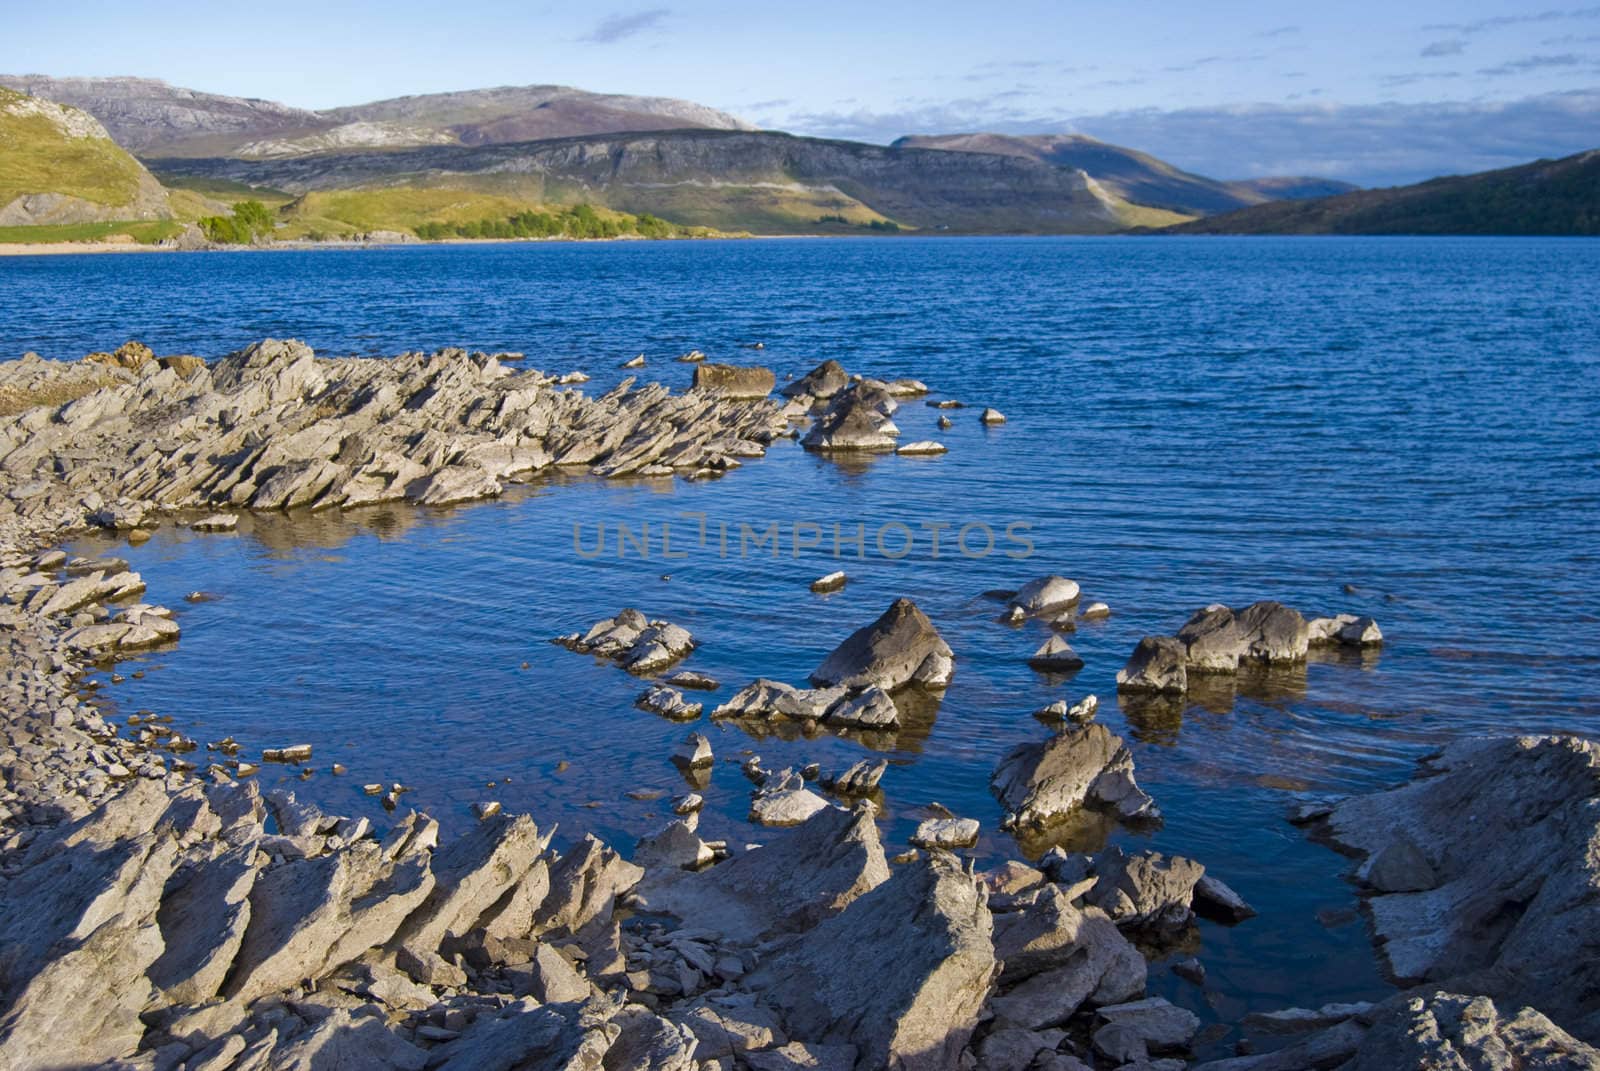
(1303, 1020)
(1038, 783)
(584, 886)
(796, 880)
(184, 364)
(1084, 709)
(309, 916)
(688, 678)
(834, 581)
(1215, 900)
(1190, 970)
(992, 416)
(1447, 1030)
(648, 1042)
(860, 779)
(694, 752)
(675, 845)
(1078, 952)
(1120, 1043)
(1329, 1049)
(1095, 611)
(731, 1025)
(1046, 595)
(550, 978)
(1504, 832)
(1347, 630)
(1055, 655)
(822, 382)
(834, 990)
(573, 1037)
(633, 362)
(216, 522)
(734, 381)
(870, 709)
(784, 801)
(945, 423)
(946, 833)
(639, 645)
(922, 448)
(669, 703)
(1156, 665)
(692, 357)
(901, 647)
(857, 419)
(1011, 1049)
(343, 1041)
(759, 699)
(803, 1056)
(204, 912)
(1216, 639)
(292, 753)
(470, 874)
(1161, 1025)
(1145, 890)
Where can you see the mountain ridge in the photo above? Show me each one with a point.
(1545, 197)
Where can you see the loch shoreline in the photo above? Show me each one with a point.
(453, 1007)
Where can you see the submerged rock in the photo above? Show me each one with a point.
(901, 647)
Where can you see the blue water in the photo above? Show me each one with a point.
(1190, 420)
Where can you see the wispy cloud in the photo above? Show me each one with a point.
(1394, 81)
(1498, 22)
(614, 28)
(1280, 31)
(1450, 46)
(1534, 63)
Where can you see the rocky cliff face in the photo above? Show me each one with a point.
(153, 118)
(659, 172)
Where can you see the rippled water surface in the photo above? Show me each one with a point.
(1190, 421)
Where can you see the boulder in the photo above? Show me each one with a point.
(1447, 1030)
(901, 647)
(834, 581)
(833, 988)
(675, 845)
(784, 800)
(1047, 594)
(1088, 766)
(758, 699)
(668, 703)
(1489, 863)
(870, 709)
(734, 381)
(1145, 890)
(861, 778)
(584, 886)
(1156, 666)
(822, 382)
(573, 1037)
(695, 752)
(946, 833)
(343, 1041)
(857, 419)
(1055, 655)
(793, 882)
(204, 912)
(922, 448)
(1160, 1024)
(992, 416)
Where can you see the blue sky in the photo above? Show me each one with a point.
(1371, 92)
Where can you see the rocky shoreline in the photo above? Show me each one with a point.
(161, 911)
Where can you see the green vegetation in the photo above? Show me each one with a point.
(223, 190)
(144, 232)
(885, 226)
(250, 220)
(36, 156)
(579, 221)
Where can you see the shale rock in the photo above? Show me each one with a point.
(1088, 766)
(901, 647)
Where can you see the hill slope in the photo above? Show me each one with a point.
(1133, 175)
(1544, 197)
(731, 180)
(152, 118)
(59, 166)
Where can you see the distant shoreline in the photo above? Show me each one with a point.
(24, 249)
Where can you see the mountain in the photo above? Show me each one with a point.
(1133, 175)
(59, 166)
(152, 118)
(728, 179)
(1544, 197)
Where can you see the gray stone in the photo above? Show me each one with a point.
(1159, 1023)
(734, 381)
(1042, 782)
(901, 647)
(1156, 666)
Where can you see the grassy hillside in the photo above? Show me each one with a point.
(1547, 197)
(38, 155)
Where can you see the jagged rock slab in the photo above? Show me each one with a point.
(929, 921)
(788, 885)
(1491, 860)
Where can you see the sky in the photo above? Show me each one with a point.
(1376, 93)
